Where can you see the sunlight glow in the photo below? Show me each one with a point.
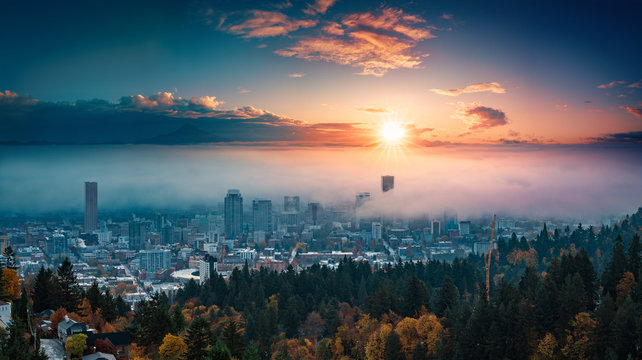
(392, 132)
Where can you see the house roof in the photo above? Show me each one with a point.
(99, 356)
(115, 338)
(68, 323)
(3, 303)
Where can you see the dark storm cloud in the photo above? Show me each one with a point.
(634, 137)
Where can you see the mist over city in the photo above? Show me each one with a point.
(320, 180)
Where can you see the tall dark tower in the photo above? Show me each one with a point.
(387, 183)
(91, 206)
(233, 214)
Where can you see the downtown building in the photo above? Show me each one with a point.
(91, 206)
(233, 214)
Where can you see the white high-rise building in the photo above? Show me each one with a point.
(376, 230)
(206, 267)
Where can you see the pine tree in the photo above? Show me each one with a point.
(198, 338)
(94, 296)
(70, 291)
(108, 306)
(633, 257)
(44, 291)
(232, 337)
(448, 297)
(178, 319)
(393, 350)
(11, 258)
(615, 269)
(251, 352)
(415, 296)
(218, 351)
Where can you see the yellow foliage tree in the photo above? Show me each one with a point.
(546, 348)
(76, 345)
(578, 339)
(377, 343)
(172, 347)
(429, 330)
(11, 283)
(407, 330)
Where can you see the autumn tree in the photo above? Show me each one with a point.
(11, 283)
(76, 345)
(172, 348)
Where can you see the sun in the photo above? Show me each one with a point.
(392, 132)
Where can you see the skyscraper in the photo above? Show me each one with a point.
(136, 235)
(291, 204)
(436, 229)
(233, 214)
(262, 214)
(361, 198)
(91, 206)
(313, 215)
(387, 183)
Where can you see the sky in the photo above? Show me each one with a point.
(322, 72)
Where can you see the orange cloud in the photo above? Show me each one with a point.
(296, 75)
(373, 110)
(377, 43)
(493, 87)
(611, 84)
(319, 6)
(635, 111)
(268, 23)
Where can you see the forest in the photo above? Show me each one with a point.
(568, 294)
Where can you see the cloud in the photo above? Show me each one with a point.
(561, 107)
(260, 24)
(136, 118)
(373, 110)
(319, 6)
(634, 137)
(637, 85)
(334, 29)
(9, 97)
(244, 91)
(611, 84)
(296, 75)
(493, 87)
(479, 117)
(635, 111)
(377, 43)
(446, 16)
(261, 46)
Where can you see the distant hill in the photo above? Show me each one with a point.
(187, 134)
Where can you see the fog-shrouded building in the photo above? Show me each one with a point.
(361, 199)
(136, 235)
(206, 267)
(91, 206)
(262, 215)
(435, 229)
(450, 220)
(313, 215)
(376, 230)
(152, 260)
(387, 183)
(233, 214)
(464, 228)
(291, 209)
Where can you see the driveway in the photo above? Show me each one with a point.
(53, 348)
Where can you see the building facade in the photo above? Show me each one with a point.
(233, 214)
(91, 206)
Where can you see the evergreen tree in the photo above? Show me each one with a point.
(615, 269)
(251, 352)
(11, 258)
(70, 292)
(218, 351)
(633, 257)
(392, 349)
(108, 306)
(121, 306)
(448, 297)
(178, 319)
(232, 337)
(198, 339)
(151, 321)
(415, 296)
(94, 296)
(44, 291)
